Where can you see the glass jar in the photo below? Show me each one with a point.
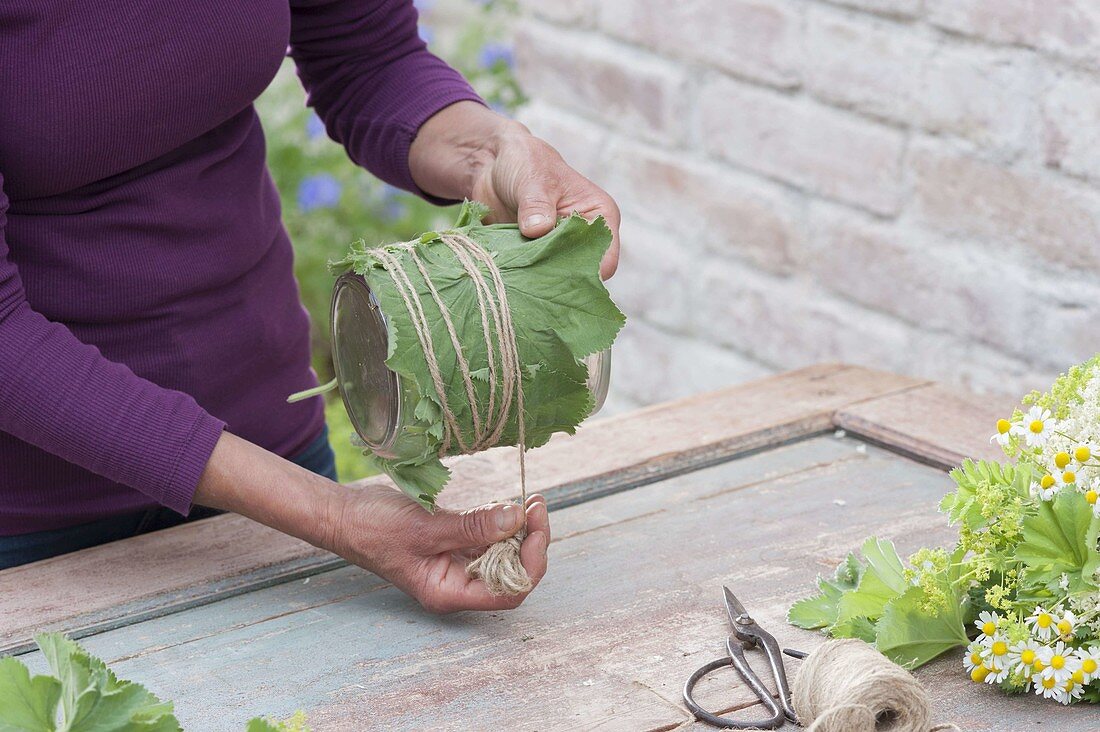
(377, 404)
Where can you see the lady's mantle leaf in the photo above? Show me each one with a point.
(1057, 541)
(908, 634)
(27, 704)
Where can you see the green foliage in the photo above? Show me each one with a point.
(1052, 544)
(83, 695)
(560, 310)
(303, 158)
(820, 611)
(1066, 390)
(910, 635)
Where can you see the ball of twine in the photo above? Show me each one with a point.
(847, 686)
(500, 568)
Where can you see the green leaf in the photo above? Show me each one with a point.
(297, 723)
(27, 704)
(820, 611)
(1061, 539)
(881, 581)
(910, 635)
(963, 506)
(93, 699)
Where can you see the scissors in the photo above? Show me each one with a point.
(747, 635)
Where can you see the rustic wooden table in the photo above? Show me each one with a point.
(652, 512)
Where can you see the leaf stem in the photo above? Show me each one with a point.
(315, 391)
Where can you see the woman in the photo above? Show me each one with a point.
(150, 326)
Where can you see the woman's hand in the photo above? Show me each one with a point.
(468, 151)
(376, 527)
(425, 554)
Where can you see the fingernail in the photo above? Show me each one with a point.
(506, 518)
(534, 220)
(542, 543)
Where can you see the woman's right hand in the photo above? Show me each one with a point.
(375, 526)
(425, 554)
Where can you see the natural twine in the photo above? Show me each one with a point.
(847, 686)
(499, 566)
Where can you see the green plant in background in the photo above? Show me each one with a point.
(83, 695)
(328, 202)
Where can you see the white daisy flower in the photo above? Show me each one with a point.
(1088, 664)
(1048, 688)
(1083, 453)
(1025, 654)
(995, 654)
(1071, 691)
(1041, 623)
(987, 623)
(1005, 432)
(1066, 624)
(1037, 426)
(1091, 498)
(1046, 487)
(1058, 662)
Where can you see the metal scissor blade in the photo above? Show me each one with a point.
(737, 612)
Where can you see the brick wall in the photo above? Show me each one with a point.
(908, 184)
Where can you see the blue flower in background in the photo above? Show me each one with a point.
(426, 34)
(393, 203)
(318, 191)
(314, 126)
(494, 53)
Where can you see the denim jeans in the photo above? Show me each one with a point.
(23, 548)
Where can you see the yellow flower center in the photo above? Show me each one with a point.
(1044, 621)
(1069, 685)
(1088, 666)
(1036, 426)
(1028, 657)
(1069, 476)
(1061, 459)
(1065, 627)
(1057, 662)
(975, 659)
(1049, 683)
(1039, 665)
(989, 628)
(1078, 676)
(1090, 497)
(1082, 453)
(1000, 648)
(1046, 481)
(1003, 425)
(979, 673)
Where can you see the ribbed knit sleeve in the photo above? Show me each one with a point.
(371, 79)
(64, 397)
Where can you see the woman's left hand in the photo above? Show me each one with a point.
(468, 151)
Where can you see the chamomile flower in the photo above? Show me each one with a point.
(973, 658)
(1071, 690)
(1091, 498)
(1045, 488)
(1047, 688)
(1059, 663)
(1024, 655)
(1066, 625)
(1005, 431)
(1088, 664)
(1037, 426)
(1041, 623)
(995, 655)
(987, 623)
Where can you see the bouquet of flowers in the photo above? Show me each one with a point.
(1020, 591)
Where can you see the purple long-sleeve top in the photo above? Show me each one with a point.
(147, 300)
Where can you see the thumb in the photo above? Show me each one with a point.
(478, 527)
(537, 210)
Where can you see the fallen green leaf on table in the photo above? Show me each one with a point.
(83, 695)
(561, 313)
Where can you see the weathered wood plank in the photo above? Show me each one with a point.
(930, 423)
(145, 576)
(631, 606)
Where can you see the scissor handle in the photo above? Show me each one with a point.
(766, 641)
(736, 658)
